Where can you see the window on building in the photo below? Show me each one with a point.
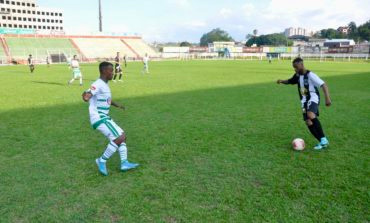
(4, 17)
(2, 1)
(10, 18)
(61, 21)
(28, 12)
(13, 3)
(4, 25)
(48, 27)
(8, 10)
(23, 4)
(35, 27)
(42, 13)
(52, 21)
(61, 28)
(48, 20)
(60, 14)
(28, 4)
(24, 19)
(18, 3)
(52, 14)
(39, 27)
(20, 26)
(38, 13)
(2, 9)
(57, 27)
(7, 2)
(38, 20)
(14, 11)
(15, 26)
(29, 20)
(10, 25)
(47, 13)
(33, 5)
(24, 11)
(19, 11)
(33, 12)
(34, 19)
(43, 20)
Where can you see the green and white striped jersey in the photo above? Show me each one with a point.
(100, 102)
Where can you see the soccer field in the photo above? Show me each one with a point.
(213, 139)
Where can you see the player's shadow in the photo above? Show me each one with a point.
(50, 83)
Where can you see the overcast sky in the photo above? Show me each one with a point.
(179, 20)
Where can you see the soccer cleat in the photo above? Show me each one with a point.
(126, 165)
(114, 81)
(101, 167)
(318, 147)
(120, 80)
(324, 142)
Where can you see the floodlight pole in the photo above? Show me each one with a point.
(100, 18)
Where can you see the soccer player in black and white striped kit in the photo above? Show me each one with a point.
(308, 88)
(117, 68)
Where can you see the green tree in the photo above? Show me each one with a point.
(185, 43)
(215, 35)
(364, 31)
(276, 39)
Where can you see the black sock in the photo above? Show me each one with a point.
(317, 125)
(313, 131)
(120, 76)
(114, 77)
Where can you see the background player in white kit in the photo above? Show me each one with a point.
(146, 64)
(76, 72)
(99, 96)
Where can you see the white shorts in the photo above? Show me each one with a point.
(76, 73)
(110, 129)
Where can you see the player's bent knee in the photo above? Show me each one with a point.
(309, 122)
(311, 115)
(120, 139)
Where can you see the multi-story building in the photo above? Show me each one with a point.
(26, 14)
(343, 29)
(297, 32)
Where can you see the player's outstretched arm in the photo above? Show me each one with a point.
(325, 88)
(86, 96)
(282, 81)
(118, 105)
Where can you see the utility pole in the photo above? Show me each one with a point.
(100, 18)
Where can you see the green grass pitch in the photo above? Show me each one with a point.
(212, 137)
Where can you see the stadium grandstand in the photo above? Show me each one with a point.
(16, 48)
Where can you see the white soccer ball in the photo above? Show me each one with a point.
(298, 144)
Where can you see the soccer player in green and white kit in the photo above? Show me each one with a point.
(76, 72)
(99, 97)
(308, 88)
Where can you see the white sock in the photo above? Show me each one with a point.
(111, 149)
(123, 151)
(81, 80)
(71, 80)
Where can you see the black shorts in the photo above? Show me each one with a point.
(118, 68)
(310, 107)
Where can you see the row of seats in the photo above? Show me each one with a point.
(141, 47)
(102, 48)
(90, 48)
(20, 48)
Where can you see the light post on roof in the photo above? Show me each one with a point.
(100, 18)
